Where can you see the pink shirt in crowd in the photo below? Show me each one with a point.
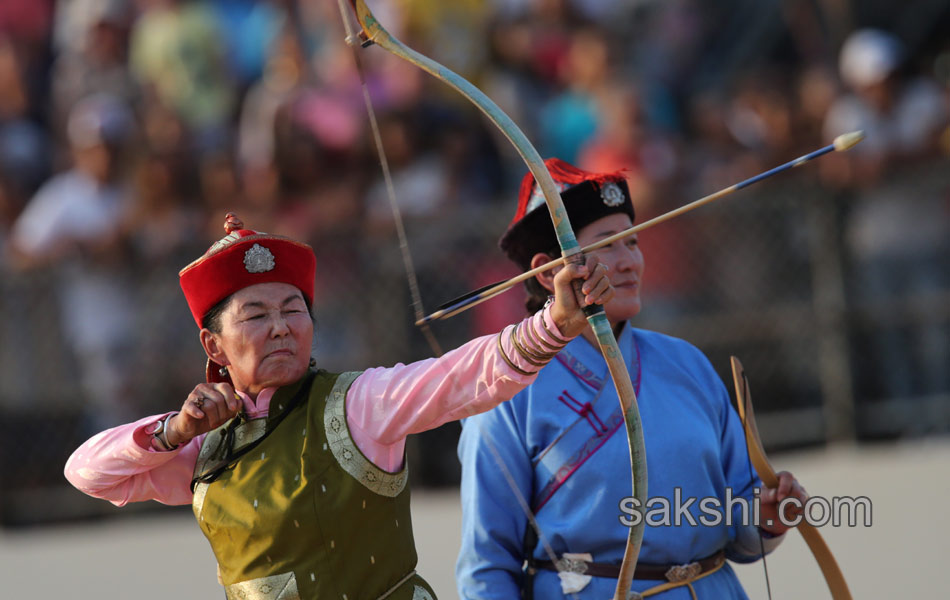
(383, 406)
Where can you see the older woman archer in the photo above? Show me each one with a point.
(297, 476)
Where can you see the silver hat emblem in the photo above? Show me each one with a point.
(611, 194)
(258, 259)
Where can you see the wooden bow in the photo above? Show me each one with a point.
(816, 543)
(374, 33)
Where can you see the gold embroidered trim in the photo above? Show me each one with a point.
(245, 434)
(249, 433)
(198, 500)
(345, 451)
(272, 587)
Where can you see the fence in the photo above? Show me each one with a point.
(844, 336)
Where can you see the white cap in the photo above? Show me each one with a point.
(868, 56)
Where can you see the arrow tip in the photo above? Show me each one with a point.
(846, 141)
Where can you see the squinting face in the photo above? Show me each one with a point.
(266, 333)
(624, 263)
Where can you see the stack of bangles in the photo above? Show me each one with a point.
(532, 348)
(160, 435)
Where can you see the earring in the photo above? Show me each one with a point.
(313, 362)
(223, 371)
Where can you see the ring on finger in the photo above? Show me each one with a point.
(199, 401)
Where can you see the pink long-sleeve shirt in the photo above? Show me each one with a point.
(383, 406)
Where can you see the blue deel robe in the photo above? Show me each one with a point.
(694, 443)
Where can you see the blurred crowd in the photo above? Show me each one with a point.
(129, 127)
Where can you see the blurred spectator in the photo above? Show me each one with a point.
(178, 55)
(571, 118)
(73, 224)
(249, 27)
(99, 64)
(902, 116)
(286, 75)
(221, 191)
(24, 147)
(162, 229)
(255, 106)
(28, 20)
(15, 101)
(295, 131)
(320, 191)
(712, 151)
(24, 165)
(667, 57)
(511, 82)
(626, 140)
(419, 176)
(898, 243)
(605, 12)
(162, 220)
(74, 19)
(817, 88)
(450, 30)
(760, 119)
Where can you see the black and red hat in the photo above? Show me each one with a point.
(587, 197)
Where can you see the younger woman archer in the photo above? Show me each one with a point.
(563, 442)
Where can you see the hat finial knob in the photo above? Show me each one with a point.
(232, 223)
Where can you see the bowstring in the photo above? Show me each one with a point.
(352, 40)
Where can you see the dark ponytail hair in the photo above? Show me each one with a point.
(537, 294)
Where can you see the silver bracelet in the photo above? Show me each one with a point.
(162, 434)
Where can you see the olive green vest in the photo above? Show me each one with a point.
(304, 515)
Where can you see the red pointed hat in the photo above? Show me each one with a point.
(240, 259)
(243, 258)
(586, 196)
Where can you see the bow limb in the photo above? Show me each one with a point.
(816, 543)
(374, 33)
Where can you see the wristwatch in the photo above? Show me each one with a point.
(160, 434)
